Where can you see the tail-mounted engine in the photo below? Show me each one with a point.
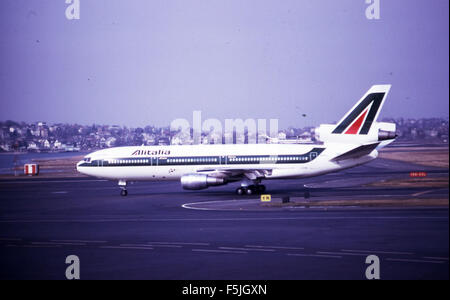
(380, 131)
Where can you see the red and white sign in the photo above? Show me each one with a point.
(31, 169)
(418, 174)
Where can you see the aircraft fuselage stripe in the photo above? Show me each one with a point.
(205, 160)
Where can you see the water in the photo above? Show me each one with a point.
(7, 159)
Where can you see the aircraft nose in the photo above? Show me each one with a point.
(78, 166)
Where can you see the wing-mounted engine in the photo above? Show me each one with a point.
(200, 181)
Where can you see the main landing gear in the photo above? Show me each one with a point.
(123, 187)
(251, 189)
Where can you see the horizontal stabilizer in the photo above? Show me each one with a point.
(357, 152)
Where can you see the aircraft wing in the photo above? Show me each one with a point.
(232, 173)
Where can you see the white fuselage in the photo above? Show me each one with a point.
(172, 162)
(353, 141)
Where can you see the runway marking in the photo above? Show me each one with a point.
(424, 192)
(222, 219)
(126, 247)
(219, 251)
(181, 243)
(385, 196)
(438, 258)
(10, 239)
(165, 246)
(314, 255)
(275, 247)
(227, 208)
(339, 183)
(246, 249)
(136, 245)
(52, 181)
(377, 251)
(187, 205)
(41, 246)
(58, 243)
(77, 241)
(340, 253)
(415, 260)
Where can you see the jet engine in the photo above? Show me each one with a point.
(386, 131)
(200, 181)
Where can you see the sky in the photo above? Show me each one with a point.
(142, 62)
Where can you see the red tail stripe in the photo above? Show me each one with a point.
(357, 124)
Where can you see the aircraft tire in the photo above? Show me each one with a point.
(240, 191)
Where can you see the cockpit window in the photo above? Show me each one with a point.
(87, 159)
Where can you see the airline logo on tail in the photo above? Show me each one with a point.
(360, 118)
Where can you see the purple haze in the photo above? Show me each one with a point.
(148, 62)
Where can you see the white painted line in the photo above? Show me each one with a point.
(314, 255)
(220, 219)
(41, 246)
(189, 205)
(384, 196)
(51, 181)
(275, 247)
(180, 243)
(58, 243)
(438, 258)
(341, 253)
(136, 245)
(123, 247)
(380, 252)
(415, 260)
(167, 246)
(196, 208)
(218, 251)
(77, 241)
(422, 193)
(246, 249)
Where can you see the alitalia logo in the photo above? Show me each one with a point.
(361, 118)
(151, 152)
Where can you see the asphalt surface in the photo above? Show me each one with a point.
(150, 235)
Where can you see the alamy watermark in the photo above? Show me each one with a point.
(373, 270)
(73, 270)
(373, 10)
(212, 130)
(73, 9)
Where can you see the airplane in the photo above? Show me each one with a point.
(353, 141)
